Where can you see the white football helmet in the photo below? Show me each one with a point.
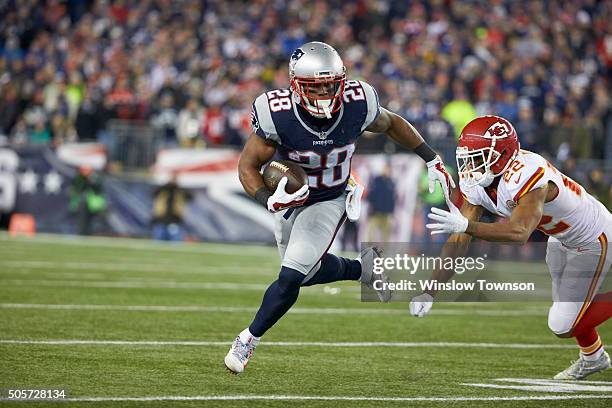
(317, 76)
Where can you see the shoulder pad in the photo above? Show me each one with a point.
(355, 89)
(261, 120)
(526, 173)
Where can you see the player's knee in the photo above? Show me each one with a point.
(565, 335)
(560, 323)
(302, 256)
(289, 280)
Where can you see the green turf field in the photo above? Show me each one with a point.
(135, 323)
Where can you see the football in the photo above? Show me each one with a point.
(277, 169)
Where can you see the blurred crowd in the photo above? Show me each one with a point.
(192, 68)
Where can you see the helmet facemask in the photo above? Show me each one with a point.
(321, 96)
(476, 166)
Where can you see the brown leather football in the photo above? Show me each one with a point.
(277, 169)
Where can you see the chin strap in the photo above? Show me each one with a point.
(325, 110)
(487, 179)
(297, 98)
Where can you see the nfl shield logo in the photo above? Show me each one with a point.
(511, 204)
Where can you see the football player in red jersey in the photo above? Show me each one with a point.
(496, 175)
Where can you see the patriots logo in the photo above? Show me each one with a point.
(297, 54)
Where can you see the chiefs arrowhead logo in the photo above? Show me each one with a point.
(498, 130)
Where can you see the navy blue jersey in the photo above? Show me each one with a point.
(323, 148)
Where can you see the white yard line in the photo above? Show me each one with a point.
(548, 380)
(114, 266)
(546, 385)
(544, 388)
(296, 310)
(333, 398)
(142, 283)
(143, 244)
(51, 342)
(135, 284)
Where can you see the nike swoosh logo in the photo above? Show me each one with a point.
(519, 178)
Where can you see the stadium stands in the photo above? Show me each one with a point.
(70, 67)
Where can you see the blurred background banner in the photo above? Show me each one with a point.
(83, 154)
(199, 168)
(56, 185)
(36, 182)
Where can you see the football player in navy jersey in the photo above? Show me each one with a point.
(315, 123)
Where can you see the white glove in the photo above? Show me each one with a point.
(353, 199)
(421, 305)
(281, 199)
(448, 222)
(437, 171)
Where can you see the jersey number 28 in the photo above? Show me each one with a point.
(279, 100)
(334, 167)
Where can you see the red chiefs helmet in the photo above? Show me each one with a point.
(486, 148)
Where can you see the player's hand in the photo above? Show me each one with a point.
(282, 200)
(449, 222)
(421, 305)
(437, 172)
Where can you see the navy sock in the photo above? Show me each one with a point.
(277, 300)
(334, 269)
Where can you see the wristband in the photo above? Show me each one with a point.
(262, 196)
(425, 152)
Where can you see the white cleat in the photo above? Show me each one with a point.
(368, 277)
(238, 356)
(582, 368)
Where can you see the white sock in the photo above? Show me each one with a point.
(247, 337)
(594, 356)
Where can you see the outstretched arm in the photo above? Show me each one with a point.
(524, 220)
